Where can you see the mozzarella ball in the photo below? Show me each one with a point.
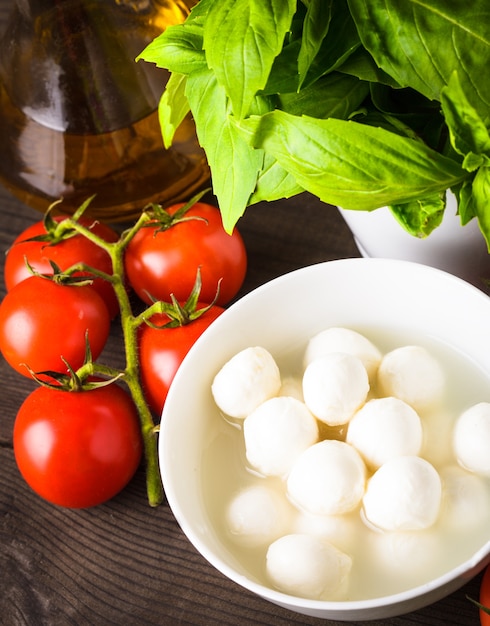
(406, 554)
(384, 428)
(345, 340)
(257, 515)
(413, 375)
(403, 494)
(305, 566)
(292, 387)
(471, 438)
(340, 530)
(327, 479)
(437, 447)
(276, 433)
(335, 386)
(466, 499)
(245, 381)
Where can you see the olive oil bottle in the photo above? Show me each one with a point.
(78, 114)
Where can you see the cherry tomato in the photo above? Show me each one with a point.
(65, 253)
(163, 350)
(166, 262)
(77, 448)
(485, 597)
(41, 321)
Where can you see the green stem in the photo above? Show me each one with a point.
(129, 325)
(132, 379)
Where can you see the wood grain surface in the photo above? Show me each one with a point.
(124, 563)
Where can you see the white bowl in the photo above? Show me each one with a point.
(288, 311)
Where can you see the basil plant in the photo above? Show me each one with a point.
(363, 103)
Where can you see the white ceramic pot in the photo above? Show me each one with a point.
(459, 250)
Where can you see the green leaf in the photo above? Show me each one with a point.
(420, 44)
(315, 28)
(420, 217)
(466, 201)
(241, 40)
(234, 164)
(361, 64)
(481, 199)
(274, 183)
(469, 135)
(173, 107)
(335, 95)
(423, 116)
(200, 11)
(351, 164)
(177, 49)
(281, 78)
(341, 42)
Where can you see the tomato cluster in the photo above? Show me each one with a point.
(77, 439)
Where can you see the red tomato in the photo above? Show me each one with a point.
(41, 321)
(485, 597)
(77, 448)
(66, 253)
(163, 350)
(166, 262)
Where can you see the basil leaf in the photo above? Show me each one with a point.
(177, 49)
(469, 135)
(315, 27)
(281, 79)
(340, 43)
(173, 107)
(200, 11)
(420, 217)
(334, 95)
(349, 164)
(466, 201)
(481, 201)
(233, 163)
(421, 44)
(274, 183)
(423, 116)
(361, 64)
(241, 40)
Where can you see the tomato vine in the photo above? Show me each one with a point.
(130, 322)
(65, 254)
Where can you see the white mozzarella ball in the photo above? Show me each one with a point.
(245, 381)
(276, 433)
(327, 479)
(335, 386)
(306, 566)
(292, 387)
(338, 339)
(471, 438)
(437, 447)
(340, 530)
(466, 499)
(406, 554)
(412, 374)
(403, 494)
(257, 515)
(384, 428)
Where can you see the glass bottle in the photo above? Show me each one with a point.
(78, 114)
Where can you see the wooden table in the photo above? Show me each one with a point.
(124, 562)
